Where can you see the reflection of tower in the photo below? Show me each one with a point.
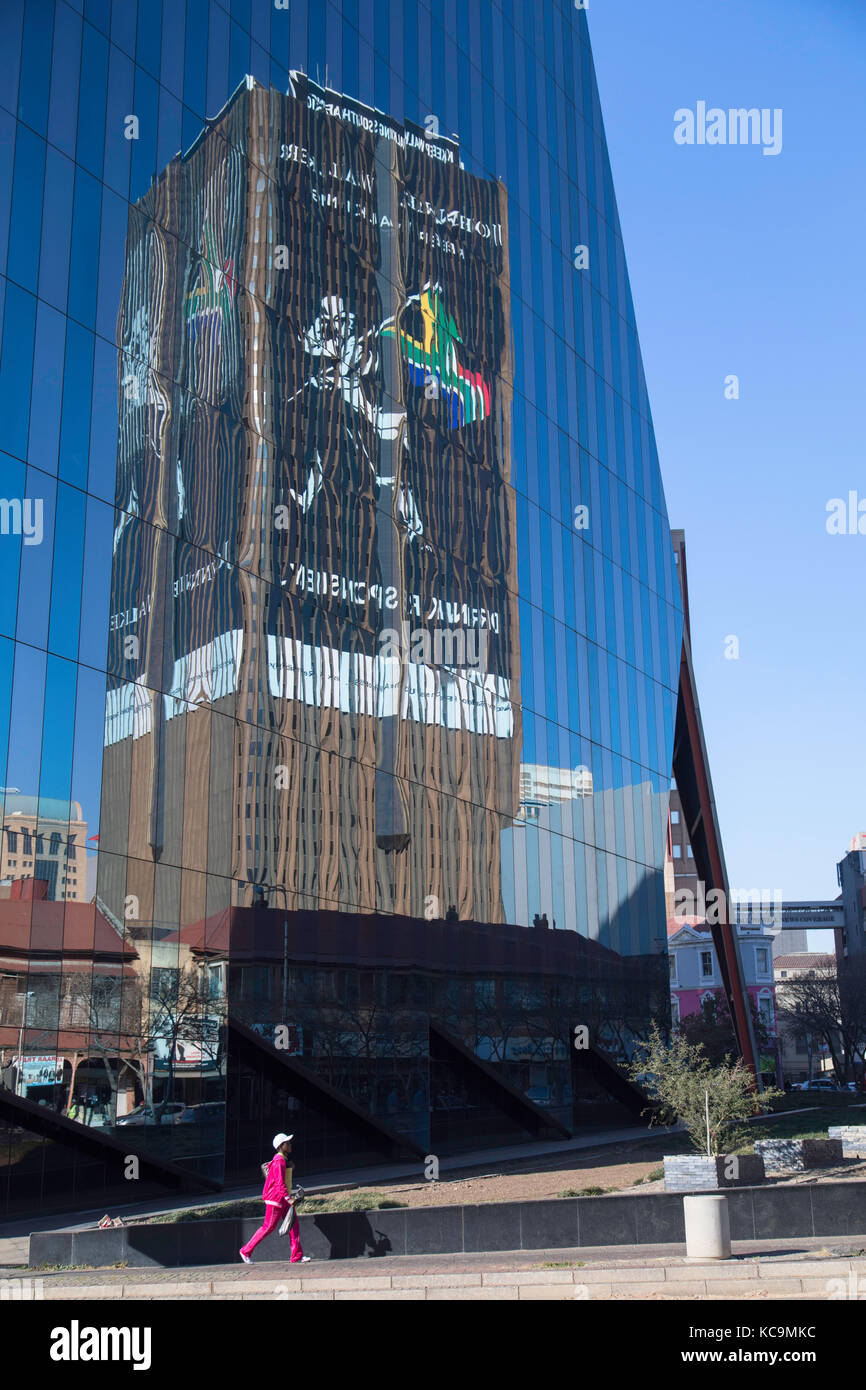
(176, 633)
(294, 420)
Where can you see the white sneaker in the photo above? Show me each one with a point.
(304, 1260)
(246, 1259)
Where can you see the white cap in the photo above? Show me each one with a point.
(281, 1139)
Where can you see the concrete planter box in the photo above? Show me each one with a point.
(852, 1137)
(690, 1173)
(697, 1173)
(798, 1155)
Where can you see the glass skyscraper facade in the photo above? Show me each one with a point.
(339, 624)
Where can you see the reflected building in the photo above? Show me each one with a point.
(376, 676)
(44, 840)
(314, 517)
(68, 978)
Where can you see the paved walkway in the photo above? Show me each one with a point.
(788, 1270)
(14, 1233)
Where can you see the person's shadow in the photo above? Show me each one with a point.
(353, 1238)
(379, 1243)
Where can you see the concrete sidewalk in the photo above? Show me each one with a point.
(14, 1233)
(787, 1270)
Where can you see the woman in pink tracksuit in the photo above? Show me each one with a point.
(278, 1183)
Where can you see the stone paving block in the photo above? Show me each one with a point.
(608, 1275)
(83, 1291)
(545, 1291)
(811, 1296)
(170, 1290)
(323, 1296)
(373, 1282)
(696, 1289)
(731, 1287)
(798, 1269)
(398, 1295)
(529, 1276)
(435, 1281)
(675, 1273)
(221, 1286)
(502, 1291)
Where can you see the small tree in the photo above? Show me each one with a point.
(829, 1004)
(683, 1083)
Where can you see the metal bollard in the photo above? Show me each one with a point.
(708, 1227)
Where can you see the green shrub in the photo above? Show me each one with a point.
(682, 1082)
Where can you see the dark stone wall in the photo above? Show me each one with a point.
(757, 1213)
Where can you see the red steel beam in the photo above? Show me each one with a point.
(715, 877)
(691, 770)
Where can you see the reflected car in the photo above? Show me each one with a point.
(200, 1114)
(447, 1101)
(152, 1115)
(539, 1095)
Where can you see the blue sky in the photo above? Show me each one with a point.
(753, 265)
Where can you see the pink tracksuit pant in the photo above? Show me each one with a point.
(273, 1217)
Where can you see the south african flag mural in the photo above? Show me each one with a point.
(433, 360)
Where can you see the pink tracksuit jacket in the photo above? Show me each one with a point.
(275, 1192)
